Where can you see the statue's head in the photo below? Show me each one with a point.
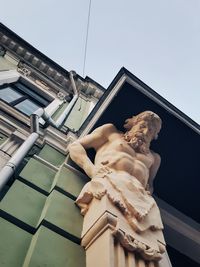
(142, 129)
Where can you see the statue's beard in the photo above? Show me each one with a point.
(137, 141)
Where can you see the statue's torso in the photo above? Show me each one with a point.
(118, 155)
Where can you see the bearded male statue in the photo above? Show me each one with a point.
(124, 168)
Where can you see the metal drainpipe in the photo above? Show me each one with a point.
(9, 169)
(65, 113)
(72, 102)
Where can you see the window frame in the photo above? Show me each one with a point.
(54, 102)
(23, 89)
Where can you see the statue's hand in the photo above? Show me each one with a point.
(100, 171)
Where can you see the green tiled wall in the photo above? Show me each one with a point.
(31, 207)
(52, 250)
(70, 181)
(41, 201)
(39, 174)
(45, 248)
(63, 213)
(14, 243)
(52, 155)
(24, 203)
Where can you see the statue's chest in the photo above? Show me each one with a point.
(148, 159)
(122, 146)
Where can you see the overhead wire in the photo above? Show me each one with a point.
(86, 39)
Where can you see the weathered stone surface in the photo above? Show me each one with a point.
(3, 138)
(123, 172)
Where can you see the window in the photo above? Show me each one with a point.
(22, 98)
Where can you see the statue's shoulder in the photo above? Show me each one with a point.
(109, 126)
(156, 157)
(106, 129)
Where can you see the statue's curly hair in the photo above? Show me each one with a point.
(149, 122)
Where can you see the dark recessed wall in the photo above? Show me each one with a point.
(180, 260)
(178, 179)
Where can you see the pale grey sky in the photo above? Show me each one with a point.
(157, 40)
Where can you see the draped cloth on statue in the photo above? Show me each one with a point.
(128, 195)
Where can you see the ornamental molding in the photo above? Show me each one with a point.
(24, 71)
(26, 56)
(133, 245)
(50, 135)
(108, 217)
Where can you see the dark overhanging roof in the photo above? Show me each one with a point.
(177, 181)
(171, 108)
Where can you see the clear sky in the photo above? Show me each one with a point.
(156, 40)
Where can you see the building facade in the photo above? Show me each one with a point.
(43, 108)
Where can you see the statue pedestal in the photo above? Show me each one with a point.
(111, 242)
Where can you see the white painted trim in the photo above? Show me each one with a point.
(46, 163)
(8, 76)
(49, 135)
(13, 76)
(92, 105)
(53, 106)
(104, 105)
(38, 88)
(56, 139)
(16, 114)
(6, 128)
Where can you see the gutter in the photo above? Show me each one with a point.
(9, 169)
(65, 113)
(72, 102)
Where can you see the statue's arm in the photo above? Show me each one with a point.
(96, 139)
(153, 170)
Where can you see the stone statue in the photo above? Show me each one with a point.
(124, 168)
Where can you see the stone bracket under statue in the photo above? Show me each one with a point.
(102, 212)
(120, 216)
